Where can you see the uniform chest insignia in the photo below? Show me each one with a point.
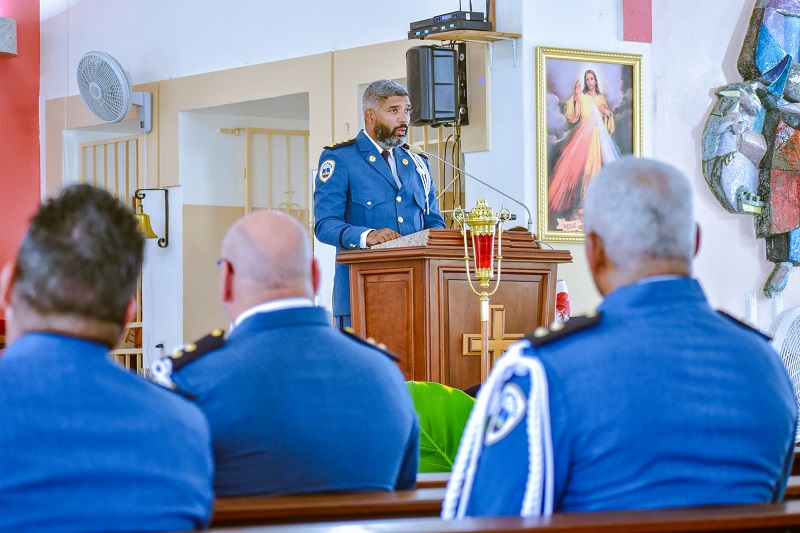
(326, 170)
(510, 411)
(405, 161)
(372, 159)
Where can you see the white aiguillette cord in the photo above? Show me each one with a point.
(538, 498)
(424, 174)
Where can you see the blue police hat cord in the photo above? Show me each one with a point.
(538, 498)
(425, 176)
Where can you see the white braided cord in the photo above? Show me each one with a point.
(425, 176)
(538, 498)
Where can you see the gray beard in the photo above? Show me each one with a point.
(386, 138)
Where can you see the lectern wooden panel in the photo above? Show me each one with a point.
(417, 301)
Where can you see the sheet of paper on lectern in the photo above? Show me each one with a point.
(419, 238)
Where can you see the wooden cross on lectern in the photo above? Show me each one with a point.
(499, 340)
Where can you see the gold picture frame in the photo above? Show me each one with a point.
(582, 123)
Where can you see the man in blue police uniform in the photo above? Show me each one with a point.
(371, 189)
(87, 445)
(294, 405)
(654, 401)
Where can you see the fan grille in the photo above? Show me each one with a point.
(104, 86)
(785, 331)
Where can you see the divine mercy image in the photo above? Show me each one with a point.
(589, 124)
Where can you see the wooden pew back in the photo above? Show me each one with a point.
(319, 507)
(757, 517)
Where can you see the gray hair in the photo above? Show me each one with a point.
(642, 209)
(379, 91)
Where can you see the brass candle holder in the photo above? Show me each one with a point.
(483, 224)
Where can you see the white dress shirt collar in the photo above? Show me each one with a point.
(274, 305)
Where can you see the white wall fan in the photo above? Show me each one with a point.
(107, 90)
(785, 333)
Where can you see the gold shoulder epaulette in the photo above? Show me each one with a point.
(558, 330)
(350, 332)
(348, 142)
(194, 350)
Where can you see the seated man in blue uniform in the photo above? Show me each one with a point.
(655, 400)
(87, 445)
(294, 405)
(372, 189)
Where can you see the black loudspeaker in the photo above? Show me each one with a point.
(437, 85)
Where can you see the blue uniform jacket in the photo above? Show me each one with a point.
(89, 446)
(663, 403)
(355, 191)
(296, 406)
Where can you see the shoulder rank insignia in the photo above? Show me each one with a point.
(350, 332)
(163, 369)
(338, 145)
(743, 324)
(542, 335)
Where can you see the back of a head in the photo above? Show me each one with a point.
(80, 257)
(379, 91)
(643, 210)
(271, 254)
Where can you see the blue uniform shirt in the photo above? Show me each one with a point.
(663, 403)
(89, 446)
(355, 191)
(296, 406)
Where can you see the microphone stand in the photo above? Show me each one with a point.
(417, 150)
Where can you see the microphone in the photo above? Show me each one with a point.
(417, 150)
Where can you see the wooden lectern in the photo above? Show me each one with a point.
(412, 294)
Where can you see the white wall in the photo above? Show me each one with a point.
(696, 43)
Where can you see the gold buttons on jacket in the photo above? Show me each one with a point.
(400, 219)
(399, 199)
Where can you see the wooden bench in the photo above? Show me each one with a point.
(432, 480)
(320, 507)
(757, 517)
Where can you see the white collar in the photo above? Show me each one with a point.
(273, 305)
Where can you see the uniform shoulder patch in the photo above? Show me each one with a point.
(326, 170)
(743, 324)
(350, 332)
(342, 144)
(542, 336)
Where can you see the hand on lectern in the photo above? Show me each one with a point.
(378, 236)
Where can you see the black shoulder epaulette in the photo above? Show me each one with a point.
(558, 330)
(743, 324)
(194, 350)
(371, 343)
(348, 142)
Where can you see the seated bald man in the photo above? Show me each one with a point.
(294, 405)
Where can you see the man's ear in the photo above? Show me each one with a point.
(130, 311)
(696, 238)
(7, 275)
(316, 276)
(226, 282)
(369, 116)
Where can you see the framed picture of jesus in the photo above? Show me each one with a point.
(589, 114)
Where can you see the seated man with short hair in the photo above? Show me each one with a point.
(654, 401)
(294, 405)
(86, 445)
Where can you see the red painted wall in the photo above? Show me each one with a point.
(19, 127)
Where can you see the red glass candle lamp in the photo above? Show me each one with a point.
(483, 224)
